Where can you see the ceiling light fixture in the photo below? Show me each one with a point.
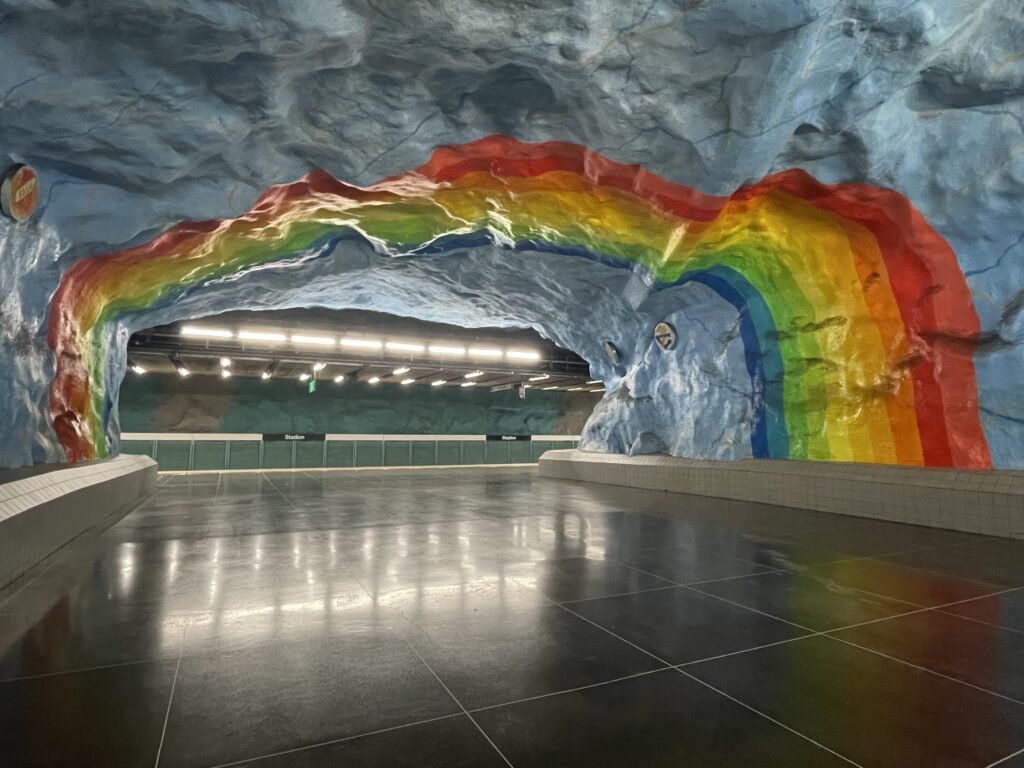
(373, 380)
(474, 374)
(339, 379)
(547, 388)
(270, 370)
(225, 362)
(438, 382)
(399, 371)
(225, 373)
(484, 352)
(595, 381)
(438, 349)
(322, 341)
(319, 367)
(209, 333)
(407, 382)
(540, 378)
(468, 384)
(261, 336)
(136, 368)
(361, 343)
(574, 389)
(402, 346)
(599, 389)
(522, 354)
(303, 377)
(182, 370)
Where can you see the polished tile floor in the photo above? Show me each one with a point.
(491, 618)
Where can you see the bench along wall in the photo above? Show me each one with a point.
(990, 503)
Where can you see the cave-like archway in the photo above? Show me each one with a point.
(856, 320)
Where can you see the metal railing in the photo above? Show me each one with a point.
(181, 452)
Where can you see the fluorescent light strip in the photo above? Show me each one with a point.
(468, 384)
(599, 389)
(319, 366)
(547, 388)
(574, 389)
(438, 349)
(522, 354)
(322, 341)
(211, 333)
(438, 383)
(484, 352)
(361, 343)
(399, 371)
(225, 362)
(540, 378)
(339, 379)
(138, 369)
(303, 377)
(402, 346)
(373, 380)
(407, 382)
(225, 373)
(261, 336)
(595, 381)
(474, 375)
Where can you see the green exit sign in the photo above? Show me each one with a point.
(312, 386)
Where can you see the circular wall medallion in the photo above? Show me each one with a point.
(665, 335)
(19, 192)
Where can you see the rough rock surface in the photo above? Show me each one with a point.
(139, 114)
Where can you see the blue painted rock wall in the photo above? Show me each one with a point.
(139, 114)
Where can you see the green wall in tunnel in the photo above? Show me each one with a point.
(159, 403)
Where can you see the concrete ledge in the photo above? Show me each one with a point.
(973, 501)
(41, 513)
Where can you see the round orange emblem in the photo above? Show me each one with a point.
(19, 193)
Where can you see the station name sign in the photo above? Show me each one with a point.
(508, 438)
(279, 437)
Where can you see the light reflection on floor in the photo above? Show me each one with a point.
(302, 611)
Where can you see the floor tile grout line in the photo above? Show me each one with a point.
(793, 639)
(1002, 760)
(703, 581)
(170, 698)
(877, 559)
(814, 632)
(458, 703)
(767, 717)
(77, 670)
(682, 672)
(616, 636)
(330, 742)
(287, 501)
(980, 621)
(1000, 591)
(845, 557)
(616, 594)
(924, 669)
(587, 687)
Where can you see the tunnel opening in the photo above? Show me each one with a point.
(359, 388)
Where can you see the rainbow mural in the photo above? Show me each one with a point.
(857, 321)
